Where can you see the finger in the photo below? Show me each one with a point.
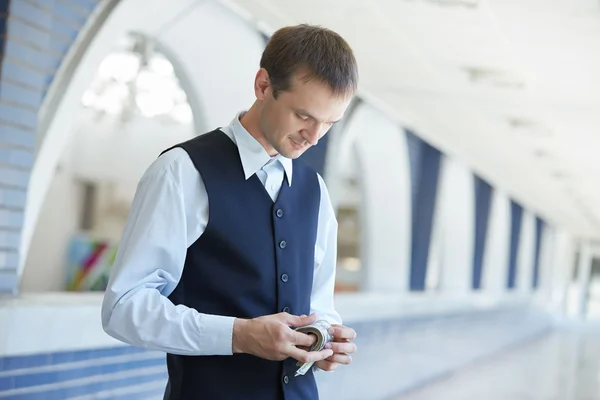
(308, 356)
(302, 339)
(341, 347)
(327, 365)
(342, 332)
(340, 359)
(299, 320)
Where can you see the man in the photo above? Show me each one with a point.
(231, 240)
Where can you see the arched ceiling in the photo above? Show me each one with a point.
(509, 86)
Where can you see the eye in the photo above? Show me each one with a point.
(302, 117)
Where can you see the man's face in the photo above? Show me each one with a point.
(300, 116)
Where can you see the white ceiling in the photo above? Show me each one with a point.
(506, 85)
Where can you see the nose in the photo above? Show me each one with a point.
(312, 134)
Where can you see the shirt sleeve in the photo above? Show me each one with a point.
(322, 299)
(169, 212)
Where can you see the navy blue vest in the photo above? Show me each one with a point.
(256, 257)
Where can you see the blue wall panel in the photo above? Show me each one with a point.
(483, 201)
(425, 167)
(516, 218)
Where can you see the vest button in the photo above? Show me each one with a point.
(286, 380)
(286, 309)
(279, 213)
(284, 277)
(282, 244)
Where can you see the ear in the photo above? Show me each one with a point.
(262, 84)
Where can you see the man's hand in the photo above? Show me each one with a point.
(342, 348)
(271, 337)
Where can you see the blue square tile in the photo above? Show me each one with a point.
(10, 219)
(59, 46)
(38, 60)
(27, 33)
(9, 239)
(35, 81)
(13, 177)
(6, 383)
(62, 357)
(65, 30)
(70, 12)
(17, 136)
(28, 12)
(11, 363)
(29, 380)
(9, 280)
(89, 5)
(21, 158)
(18, 115)
(38, 360)
(9, 259)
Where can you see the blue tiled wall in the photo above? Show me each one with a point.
(35, 35)
(121, 372)
(393, 356)
(400, 355)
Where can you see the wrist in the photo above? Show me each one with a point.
(237, 342)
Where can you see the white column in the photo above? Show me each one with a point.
(563, 262)
(544, 290)
(584, 271)
(497, 248)
(526, 255)
(455, 225)
(386, 208)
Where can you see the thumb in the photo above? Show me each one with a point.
(301, 320)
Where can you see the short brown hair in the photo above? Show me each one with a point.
(324, 54)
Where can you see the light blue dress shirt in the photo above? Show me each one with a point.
(169, 212)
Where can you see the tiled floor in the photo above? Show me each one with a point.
(564, 365)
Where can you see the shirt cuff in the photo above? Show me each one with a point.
(216, 334)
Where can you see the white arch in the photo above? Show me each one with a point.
(385, 178)
(495, 259)
(227, 61)
(454, 227)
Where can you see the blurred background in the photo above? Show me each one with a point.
(463, 178)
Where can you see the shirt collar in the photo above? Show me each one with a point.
(252, 154)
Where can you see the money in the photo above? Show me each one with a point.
(320, 329)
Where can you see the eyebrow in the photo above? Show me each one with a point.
(306, 113)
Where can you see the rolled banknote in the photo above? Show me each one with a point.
(320, 329)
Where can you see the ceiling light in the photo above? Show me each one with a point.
(559, 174)
(456, 3)
(452, 3)
(494, 77)
(137, 79)
(528, 126)
(539, 153)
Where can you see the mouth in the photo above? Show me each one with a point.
(296, 145)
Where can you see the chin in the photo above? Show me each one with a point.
(291, 152)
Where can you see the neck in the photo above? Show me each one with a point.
(250, 122)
